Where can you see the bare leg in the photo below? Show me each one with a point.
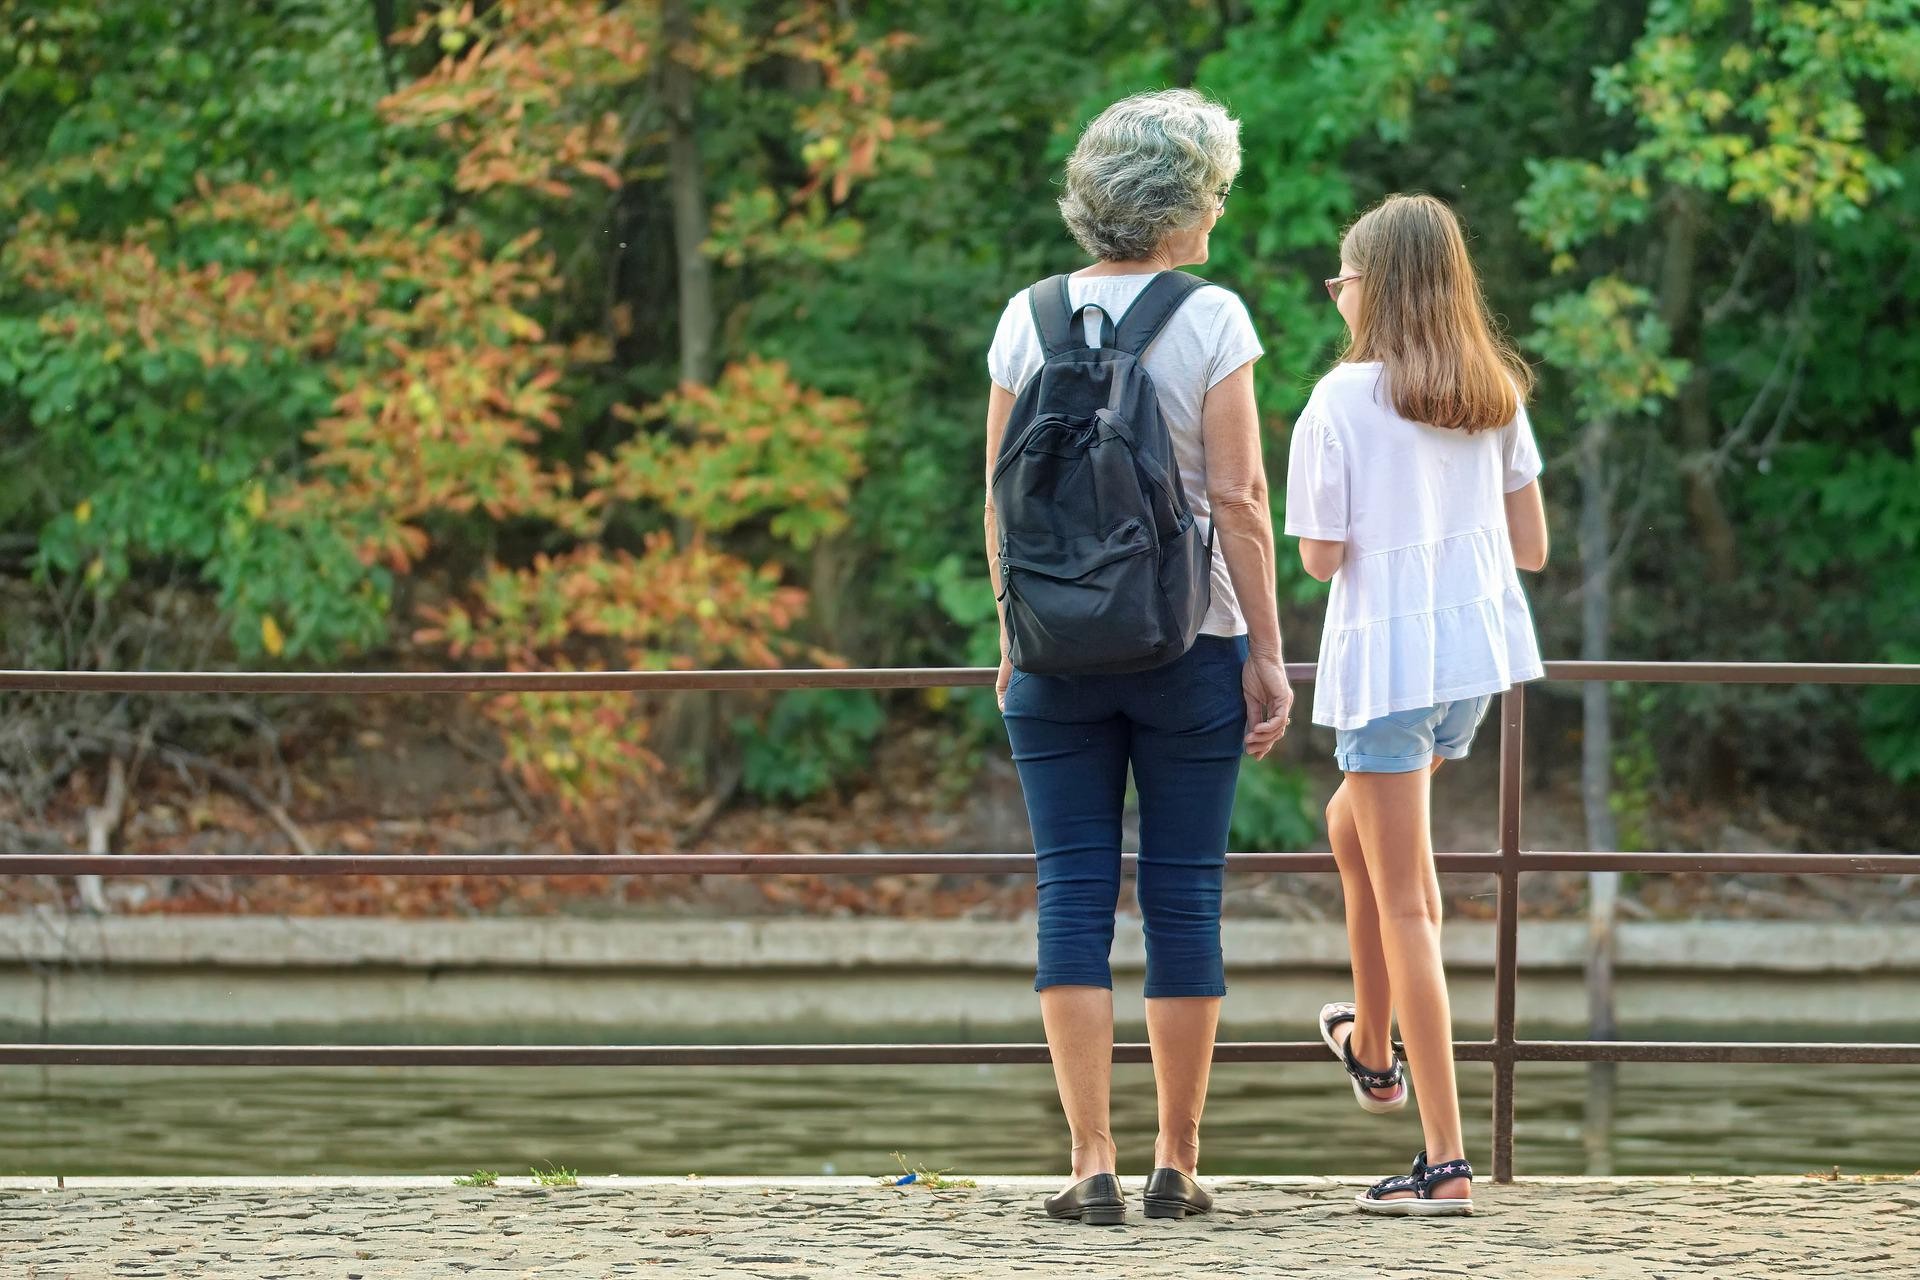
(1079, 1023)
(1390, 810)
(1181, 1030)
(1371, 1028)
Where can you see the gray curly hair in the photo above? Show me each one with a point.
(1147, 165)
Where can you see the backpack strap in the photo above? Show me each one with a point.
(1057, 321)
(1152, 309)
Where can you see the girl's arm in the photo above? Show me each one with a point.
(1321, 558)
(1527, 527)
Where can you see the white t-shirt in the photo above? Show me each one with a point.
(1209, 337)
(1426, 604)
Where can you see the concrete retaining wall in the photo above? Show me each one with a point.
(813, 978)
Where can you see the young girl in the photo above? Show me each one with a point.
(1412, 487)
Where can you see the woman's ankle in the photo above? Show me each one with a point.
(1096, 1155)
(1183, 1155)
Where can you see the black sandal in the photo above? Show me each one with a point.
(1364, 1078)
(1421, 1181)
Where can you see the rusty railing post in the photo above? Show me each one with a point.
(1513, 715)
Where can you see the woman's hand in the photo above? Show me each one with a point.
(1269, 703)
(1000, 685)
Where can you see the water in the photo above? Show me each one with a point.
(1261, 1119)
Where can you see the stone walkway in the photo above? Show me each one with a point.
(411, 1229)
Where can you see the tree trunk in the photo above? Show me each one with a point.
(103, 821)
(383, 22)
(693, 723)
(1596, 783)
(1679, 309)
(826, 592)
(686, 184)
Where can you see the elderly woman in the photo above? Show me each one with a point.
(1144, 186)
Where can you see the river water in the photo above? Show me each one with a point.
(1261, 1119)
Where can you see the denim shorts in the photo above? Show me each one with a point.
(1403, 741)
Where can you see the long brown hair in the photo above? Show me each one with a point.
(1422, 315)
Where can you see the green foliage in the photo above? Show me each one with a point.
(1610, 333)
(755, 446)
(1351, 72)
(1764, 106)
(381, 348)
(1272, 812)
(812, 739)
(1727, 234)
(165, 445)
(955, 584)
(274, 320)
(1891, 720)
(1861, 507)
(1636, 765)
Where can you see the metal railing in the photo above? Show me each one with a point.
(1505, 1050)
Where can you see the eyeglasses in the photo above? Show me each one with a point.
(1220, 195)
(1333, 285)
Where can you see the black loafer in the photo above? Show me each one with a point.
(1172, 1194)
(1096, 1200)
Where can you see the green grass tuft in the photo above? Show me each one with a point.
(931, 1179)
(555, 1176)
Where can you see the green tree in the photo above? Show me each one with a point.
(1742, 143)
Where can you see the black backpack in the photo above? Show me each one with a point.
(1102, 567)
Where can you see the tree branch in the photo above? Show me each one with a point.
(182, 759)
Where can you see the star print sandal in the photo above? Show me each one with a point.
(1364, 1080)
(1421, 1182)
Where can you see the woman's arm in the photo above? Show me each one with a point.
(1243, 528)
(999, 409)
(1242, 518)
(1527, 527)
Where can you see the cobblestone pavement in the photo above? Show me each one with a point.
(395, 1229)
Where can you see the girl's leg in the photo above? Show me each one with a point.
(1372, 1026)
(1390, 811)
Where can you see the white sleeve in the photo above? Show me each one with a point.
(1233, 341)
(1519, 453)
(1015, 331)
(1316, 480)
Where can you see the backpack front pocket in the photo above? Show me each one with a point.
(1075, 604)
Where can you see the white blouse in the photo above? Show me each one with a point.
(1426, 605)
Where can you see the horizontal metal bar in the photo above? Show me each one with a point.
(830, 678)
(491, 681)
(1738, 672)
(874, 864)
(626, 864)
(800, 1055)
(1875, 864)
(1813, 1052)
(651, 1055)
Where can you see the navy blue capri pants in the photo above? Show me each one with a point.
(1181, 728)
